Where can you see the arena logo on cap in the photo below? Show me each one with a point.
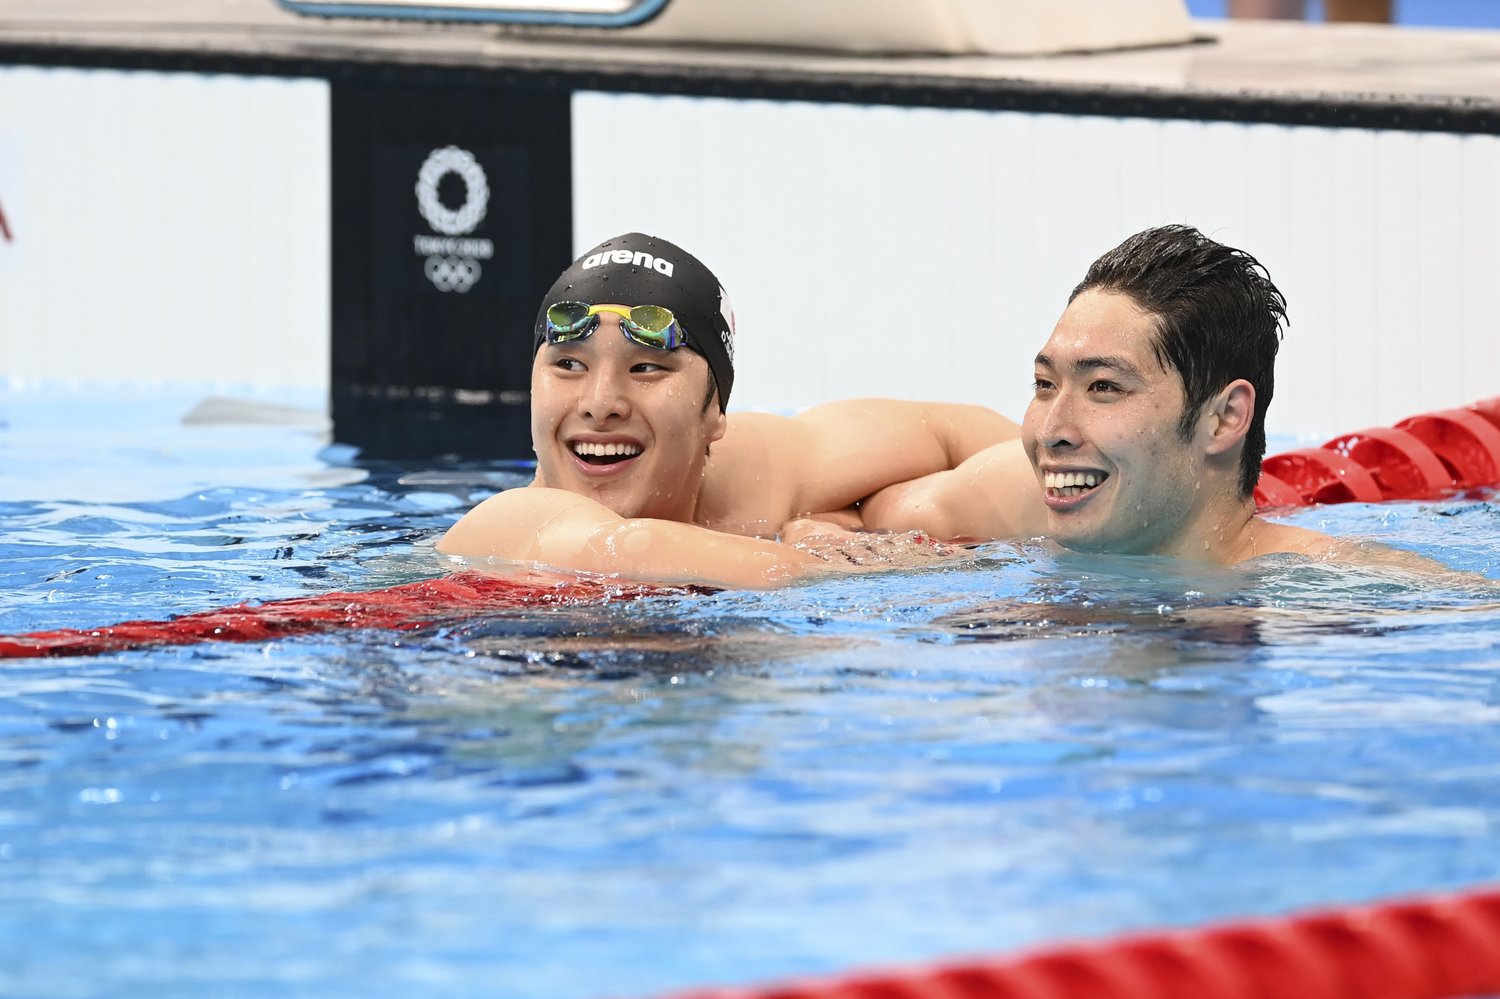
(640, 258)
(452, 263)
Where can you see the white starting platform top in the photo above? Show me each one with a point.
(1147, 46)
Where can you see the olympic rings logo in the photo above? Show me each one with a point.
(452, 273)
(452, 221)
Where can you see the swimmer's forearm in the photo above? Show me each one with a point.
(572, 533)
(910, 506)
(991, 496)
(851, 449)
(664, 552)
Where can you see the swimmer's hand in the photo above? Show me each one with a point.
(816, 529)
(844, 521)
(837, 545)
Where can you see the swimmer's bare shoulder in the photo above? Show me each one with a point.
(526, 525)
(769, 469)
(1286, 539)
(745, 489)
(1262, 538)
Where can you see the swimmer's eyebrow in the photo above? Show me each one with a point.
(1112, 361)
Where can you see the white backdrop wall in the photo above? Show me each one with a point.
(166, 226)
(176, 226)
(926, 253)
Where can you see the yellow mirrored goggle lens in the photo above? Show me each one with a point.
(648, 325)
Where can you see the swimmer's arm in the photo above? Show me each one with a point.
(570, 532)
(992, 495)
(847, 450)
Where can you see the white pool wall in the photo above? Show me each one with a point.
(176, 226)
(165, 226)
(925, 253)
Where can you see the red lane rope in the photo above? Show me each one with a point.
(1422, 457)
(400, 608)
(1444, 947)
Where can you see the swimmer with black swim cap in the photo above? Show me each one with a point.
(631, 346)
(624, 343)
(647, 271)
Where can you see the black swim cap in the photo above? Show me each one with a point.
(636, 269)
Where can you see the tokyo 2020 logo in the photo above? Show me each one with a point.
(463, 219)
(452, 263)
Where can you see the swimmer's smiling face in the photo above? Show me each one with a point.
(623, 424)
(1102, 432)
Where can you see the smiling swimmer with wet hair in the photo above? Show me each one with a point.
(1146, 428)
(642, 472)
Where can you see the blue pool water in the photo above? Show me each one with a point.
(581, 802)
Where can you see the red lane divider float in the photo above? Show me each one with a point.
(399, 608)
(1437, 948)
(1422, 457)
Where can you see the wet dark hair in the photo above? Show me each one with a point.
(1218, 318)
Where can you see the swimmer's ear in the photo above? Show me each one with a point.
(717, 420)
(1229, 415)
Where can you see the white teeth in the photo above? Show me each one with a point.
(605, 450)
(1071, 480)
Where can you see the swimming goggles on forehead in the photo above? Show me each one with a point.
(648, 325)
